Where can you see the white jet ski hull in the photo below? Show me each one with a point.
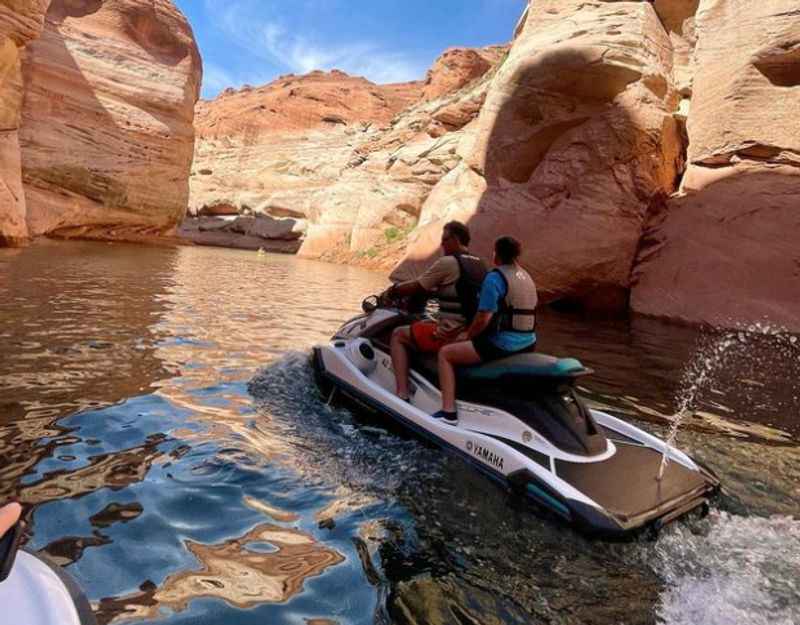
(514, 452)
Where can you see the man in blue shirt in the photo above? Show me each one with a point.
(504, 324)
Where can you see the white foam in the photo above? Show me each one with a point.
(744, 570)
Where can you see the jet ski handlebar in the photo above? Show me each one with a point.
(413, 304)
(384, 300)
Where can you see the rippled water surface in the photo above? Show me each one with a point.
(159, 420)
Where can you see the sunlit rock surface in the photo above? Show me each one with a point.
(20, 22)
(457, 67)
(353, 160)
(725, 249)
(575, 143)
(107, 134)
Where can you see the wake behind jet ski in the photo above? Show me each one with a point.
(521, 421)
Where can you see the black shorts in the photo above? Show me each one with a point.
(489, 351)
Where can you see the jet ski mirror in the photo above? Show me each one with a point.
(370, 304)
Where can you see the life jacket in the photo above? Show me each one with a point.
(517, 309)
(471, 272)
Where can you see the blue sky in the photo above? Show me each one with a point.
(254, 41)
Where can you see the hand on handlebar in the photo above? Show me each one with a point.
(390, 297)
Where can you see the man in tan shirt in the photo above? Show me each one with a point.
(454, 279)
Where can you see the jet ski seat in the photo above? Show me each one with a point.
(516, 368)
(526, 365)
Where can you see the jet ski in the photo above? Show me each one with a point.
(522, 423)
(35, 591)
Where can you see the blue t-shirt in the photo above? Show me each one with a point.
(493, 290)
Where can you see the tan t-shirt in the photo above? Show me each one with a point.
(440, 278)
(440, 274)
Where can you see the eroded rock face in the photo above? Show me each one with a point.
(20, 22)
(725, 250)
(646, 153)
(574, 144)
(354, 159)
(458, 67)
(271, 148)
(259, 232)
(377, 198)
(107, 134)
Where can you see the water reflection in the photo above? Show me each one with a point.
(76, 335)
(147, 352)
(647, 369)
(235, 572)
(128, 424)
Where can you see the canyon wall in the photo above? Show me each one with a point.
(726, 247)
(646, 154)
(335, 159)
(574, 145)
(107, 112)
(107, 134)
(20, 23)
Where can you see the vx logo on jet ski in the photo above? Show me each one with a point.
(486, 455)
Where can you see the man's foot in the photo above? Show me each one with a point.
(407, 397)
(451, 418)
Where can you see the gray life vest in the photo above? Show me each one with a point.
(517, 309)
(462, 297)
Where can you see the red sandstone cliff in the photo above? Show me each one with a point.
(347, 161)
(726, 247)
(104, 103)
(575, 142)
(645, 151)
(20, 23)
(107, 134)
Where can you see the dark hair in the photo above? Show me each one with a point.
(507, 249)
(459, 231)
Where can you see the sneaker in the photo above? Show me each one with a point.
(451, 418)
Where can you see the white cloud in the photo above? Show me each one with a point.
(265, 35)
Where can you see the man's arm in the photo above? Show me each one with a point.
(487, 307)
(481, 321)
(435, 275)
(405, 289)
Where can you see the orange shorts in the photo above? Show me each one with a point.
(424, 336)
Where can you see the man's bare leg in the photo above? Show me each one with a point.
(449, 357)
(401, 342)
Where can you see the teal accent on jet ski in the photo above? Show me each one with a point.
(538, 365)
(548, 500)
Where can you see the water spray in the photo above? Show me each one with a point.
(713, 358)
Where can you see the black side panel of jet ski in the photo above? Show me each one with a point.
(554, 412)
(626, 484)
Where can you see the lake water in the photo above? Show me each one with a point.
(159, 421)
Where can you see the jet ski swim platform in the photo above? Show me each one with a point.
(522, 423)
